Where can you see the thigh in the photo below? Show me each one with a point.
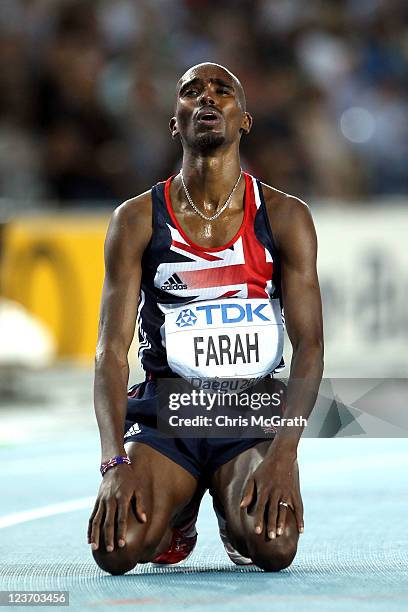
(227, 487)
(165, 481)
(228, 482)
(166, 489)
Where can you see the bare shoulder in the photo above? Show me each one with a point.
(284, 205)
(136, 211)
(288, 215)
(133, 220)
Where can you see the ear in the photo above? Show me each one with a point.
(173, 127)
(246, 123)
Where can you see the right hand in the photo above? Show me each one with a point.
(112, 504)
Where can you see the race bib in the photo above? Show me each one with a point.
(224, 339)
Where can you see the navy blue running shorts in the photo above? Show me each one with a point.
(201, 457)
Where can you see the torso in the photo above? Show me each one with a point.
(188, 260)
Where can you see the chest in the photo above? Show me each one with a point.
(210, 234)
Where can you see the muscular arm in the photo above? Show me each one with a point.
(296, 240)
(275, 480)
(128, 235)
(274, 486)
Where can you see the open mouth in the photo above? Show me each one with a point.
(208, 117)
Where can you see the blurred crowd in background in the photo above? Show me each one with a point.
(87, 90)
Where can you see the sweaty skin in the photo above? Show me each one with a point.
(136, 498)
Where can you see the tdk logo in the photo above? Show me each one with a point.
(233, 313)
(186, 318)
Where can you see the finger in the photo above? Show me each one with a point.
(281, 522)
(140, 507)
(261, 500)
(298, 509)
(96, 527)
(248, 494)
(272, 517)
(91, 518)
(123, 508)
(109, 525)
(298, 503)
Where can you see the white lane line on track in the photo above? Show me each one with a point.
(37, 513)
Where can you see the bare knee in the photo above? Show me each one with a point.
(142, 544)
(117, 562)
(272, 555)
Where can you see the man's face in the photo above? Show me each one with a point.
(209, 108)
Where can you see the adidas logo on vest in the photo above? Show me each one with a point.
(174, 283)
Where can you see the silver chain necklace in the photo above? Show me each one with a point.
(220, 211)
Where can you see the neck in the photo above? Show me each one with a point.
(210, 178)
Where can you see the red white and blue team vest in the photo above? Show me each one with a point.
(211, 312)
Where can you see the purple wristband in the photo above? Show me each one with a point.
(107, 465)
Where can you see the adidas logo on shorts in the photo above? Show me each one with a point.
(174, 283)
(135, 429)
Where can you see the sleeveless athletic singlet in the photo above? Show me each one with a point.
(177, 272)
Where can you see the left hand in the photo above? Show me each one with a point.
(275, 480)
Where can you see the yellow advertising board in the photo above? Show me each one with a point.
(53, 266)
